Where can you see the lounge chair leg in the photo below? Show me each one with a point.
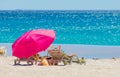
(65, 62)
(35, 62)
(16, 62)
(30, 62)
(55, 62)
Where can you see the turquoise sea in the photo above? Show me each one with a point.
(90, 27)
(73, 27)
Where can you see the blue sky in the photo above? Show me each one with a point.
(60, 4)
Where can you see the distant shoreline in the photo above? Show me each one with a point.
(87, 51)
(56, 10)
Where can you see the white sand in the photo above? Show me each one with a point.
(98, 68)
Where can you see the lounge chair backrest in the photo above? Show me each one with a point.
(56, 54)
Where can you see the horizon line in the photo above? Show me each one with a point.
(60, 9)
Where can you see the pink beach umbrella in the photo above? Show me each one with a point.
(32, 42)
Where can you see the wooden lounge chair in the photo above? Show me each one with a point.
(58, 56)
(19, 60)
(30, 61)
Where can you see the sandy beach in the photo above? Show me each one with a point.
(32, 30)
(93, 68)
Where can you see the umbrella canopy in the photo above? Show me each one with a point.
(32, 42)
